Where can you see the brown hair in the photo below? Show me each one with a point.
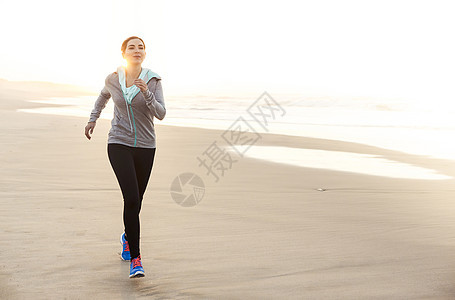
(125, 42)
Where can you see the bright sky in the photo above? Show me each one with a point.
(365, 47)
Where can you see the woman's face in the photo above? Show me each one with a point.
(134, 52)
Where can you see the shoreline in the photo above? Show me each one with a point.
(428, 140)
(378, 162)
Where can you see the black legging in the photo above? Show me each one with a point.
(132, 167)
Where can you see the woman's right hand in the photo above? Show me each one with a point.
(89, 129)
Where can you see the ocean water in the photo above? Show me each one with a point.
(413, 127)
(343, 161)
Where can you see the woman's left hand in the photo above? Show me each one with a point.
(141, 85)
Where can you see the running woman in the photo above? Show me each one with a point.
(131, 146)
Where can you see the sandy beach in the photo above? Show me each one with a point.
(263, 231)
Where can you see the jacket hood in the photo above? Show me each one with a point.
(131, 92)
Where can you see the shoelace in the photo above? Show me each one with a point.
(137, 262)
(126, 246)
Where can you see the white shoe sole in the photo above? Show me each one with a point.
(137, 274)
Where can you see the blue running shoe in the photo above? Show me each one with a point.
(136, 269)
(125, 248)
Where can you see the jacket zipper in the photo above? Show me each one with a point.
(134, 125)
(132, 115)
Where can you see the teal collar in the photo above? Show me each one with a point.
(132, 91)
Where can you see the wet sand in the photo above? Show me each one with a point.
(263, 231)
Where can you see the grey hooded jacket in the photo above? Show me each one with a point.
(132, 124)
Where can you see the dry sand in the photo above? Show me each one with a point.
(262, 232)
